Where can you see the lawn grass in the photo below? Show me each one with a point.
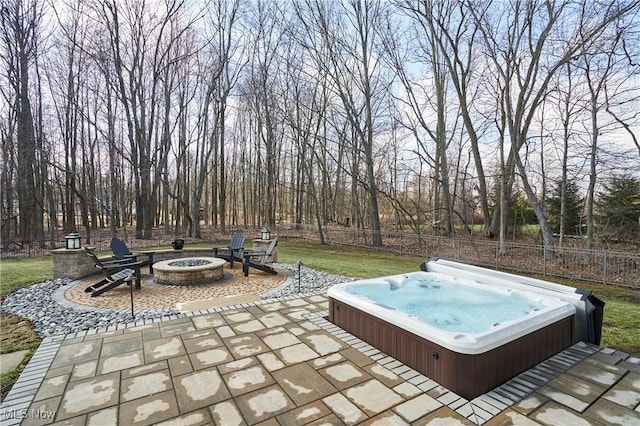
(530, 229)
(16, 273)
(17, 333)
(349, 261)
(477, 227)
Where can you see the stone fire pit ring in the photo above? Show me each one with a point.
(188, 271)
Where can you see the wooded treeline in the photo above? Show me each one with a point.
(365, 113)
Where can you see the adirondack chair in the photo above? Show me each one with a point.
(123, 254)
(233, 252)
(258, 259)
(115, 273)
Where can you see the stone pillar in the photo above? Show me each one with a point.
(261, 245)
(72, 264)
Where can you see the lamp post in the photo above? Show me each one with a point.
(265, 234)
(299, 264)
(73, 241)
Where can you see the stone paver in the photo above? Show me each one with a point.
(282, 363)
(417, 407)
(303, 384)
(607, 412)
(626, 392)
(554, 413)
(574, 387)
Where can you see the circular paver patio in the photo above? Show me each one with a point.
(155, 296)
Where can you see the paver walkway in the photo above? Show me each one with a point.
(280, 362)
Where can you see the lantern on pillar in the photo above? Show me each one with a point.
(73, 241)
(265, 234)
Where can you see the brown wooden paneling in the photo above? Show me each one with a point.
(466, 375)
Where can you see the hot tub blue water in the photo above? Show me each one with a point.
(447, 304)
(463, 315)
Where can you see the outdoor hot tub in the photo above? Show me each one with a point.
(468, 331)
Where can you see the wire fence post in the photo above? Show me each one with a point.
(426, 247)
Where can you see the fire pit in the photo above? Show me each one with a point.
(188, 271)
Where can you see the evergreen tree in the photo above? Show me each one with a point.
(519, 207)
(619, 208)
(573, 208)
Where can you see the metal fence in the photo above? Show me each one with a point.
(604, 266)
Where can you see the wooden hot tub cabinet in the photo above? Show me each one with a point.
(467, 375)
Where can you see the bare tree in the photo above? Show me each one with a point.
(348, 34)
(68, 74)
(527, 43)
(568, 108)
(305, 112)
(427, 97)
(605, 69)
(21, 21)
(142, 47)
(220, 72)
(7, 172)
(263, 90)
(453, 32)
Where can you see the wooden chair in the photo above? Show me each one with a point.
(258, 259)
(234, 251)
(123, 254)
(115, 273)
